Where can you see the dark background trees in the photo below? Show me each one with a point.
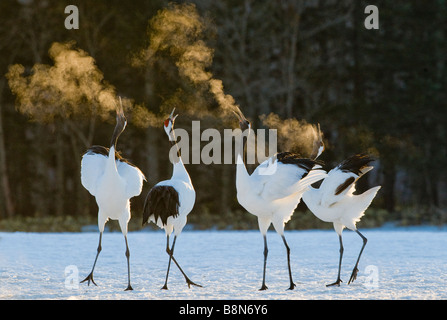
(381, 91)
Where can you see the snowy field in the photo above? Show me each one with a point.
(396, 264)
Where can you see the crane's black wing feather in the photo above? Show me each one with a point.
(105, 152)
(355, 163)
(161, 202)
(295, 159)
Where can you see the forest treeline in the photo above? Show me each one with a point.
(378, 91)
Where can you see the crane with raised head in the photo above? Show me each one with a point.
(169, 202)
(113, 181)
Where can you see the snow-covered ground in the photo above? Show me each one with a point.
(396, 264)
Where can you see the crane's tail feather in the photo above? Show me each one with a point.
(161, 202)
(360, 205)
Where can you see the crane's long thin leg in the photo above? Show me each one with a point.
(355, 270)
(90, 276)
(165, 287)
(129, 287)
(337, 283)
(266, 251)
(292, 285)
(171, 253)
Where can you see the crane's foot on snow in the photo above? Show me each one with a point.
(129, 288)
(353, 275)
(89, 278)
(190, 283)
(336, 283)
(292, 286)
(264, 287)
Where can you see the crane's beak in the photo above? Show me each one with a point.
(172, 117)
(244, 124)
(238, 113)
(121, 123)
(120, 111)
(318, 145)
(319, 134)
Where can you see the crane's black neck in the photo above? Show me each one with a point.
(119, 128)
(245, 131)
(244, 149)
(174, 143)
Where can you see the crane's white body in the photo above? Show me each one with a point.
(273, 191)
(344, 209)
(169, 202)
(273, 197)
(112, 182)
(334, 201)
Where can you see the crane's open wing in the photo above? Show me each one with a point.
(92, 169)
(341, 180)
(133, 177)
(93, 165)
(336, 185)
(288, 174)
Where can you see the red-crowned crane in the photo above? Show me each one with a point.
(170, 201)
(334, 201)
(274, 189)
(112, 180)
